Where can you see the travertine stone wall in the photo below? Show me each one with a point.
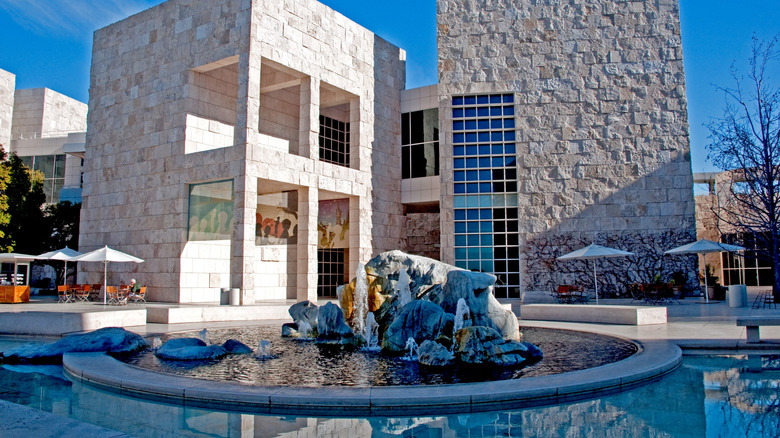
(7, 87)
(600, 108)
(145, 83)
(422, 234)
(41, 112)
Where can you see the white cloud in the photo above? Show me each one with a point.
(70, 17)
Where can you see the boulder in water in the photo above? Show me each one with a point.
(432, 353)
(476, 289)
(333, 329)
(189, 349)
(114, 340)
(233, 346)
(304, 311)
(485, 345)
(419, 320)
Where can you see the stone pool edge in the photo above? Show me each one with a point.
(654, 360)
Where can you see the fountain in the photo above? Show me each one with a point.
(156, 343)
(462, 317)
(371, 333)
(360, 300)
(404, 292)
(262, 350)
(304, 330)
(452, 320)
(411, 350)
(203, 336)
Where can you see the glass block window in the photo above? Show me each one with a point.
(334, 141)
(331, 271)
(420, 143)
(53, 169)
(485, 185)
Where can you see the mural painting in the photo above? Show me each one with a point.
(333, 224)
(277, 219)
(211, 211)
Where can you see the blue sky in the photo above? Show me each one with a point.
(47, 43)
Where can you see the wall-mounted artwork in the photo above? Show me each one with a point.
(211, 211)
(277, 219)
(333, 224)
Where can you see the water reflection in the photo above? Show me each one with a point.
(308, 364)
(708, 396)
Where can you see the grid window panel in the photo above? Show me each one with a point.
(330, 270)
(334, 141)
(485, 185)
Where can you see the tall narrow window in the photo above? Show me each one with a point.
(334, 141)
(420, 143)
(485, 189)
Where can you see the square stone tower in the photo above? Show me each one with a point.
(220, 131)
(562, 122)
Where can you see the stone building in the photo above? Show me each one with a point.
(752, 267)
(47, 130)
(271, 146)
(223, 134)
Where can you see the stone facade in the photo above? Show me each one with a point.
(192, 92)
(41, 112)
(602, 130)
(7, 86)
(422, 234)
(41, 122)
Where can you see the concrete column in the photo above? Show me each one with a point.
(308, 142)
(308, 212)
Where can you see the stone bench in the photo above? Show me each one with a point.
(602, 314)
(752, 324)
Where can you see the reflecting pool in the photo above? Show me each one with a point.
(708, 396)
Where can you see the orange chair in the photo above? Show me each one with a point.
(114, 297)
(63, 294)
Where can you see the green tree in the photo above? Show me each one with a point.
(25, 230)
(5, 217)
(62, 228)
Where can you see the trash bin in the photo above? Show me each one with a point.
(738, 295)
(224, 296)
(235, 297)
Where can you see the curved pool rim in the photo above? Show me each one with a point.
(653, 360)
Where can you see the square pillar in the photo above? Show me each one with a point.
(242, 245)
(308, 136)
(307, 271)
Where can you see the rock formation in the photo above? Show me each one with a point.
(428, 319)
(113, 340)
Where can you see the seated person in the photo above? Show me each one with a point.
(134, 288)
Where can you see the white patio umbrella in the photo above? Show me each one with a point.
(107, 255)
(704, 246)
(17, 258)
(65, 254)
(594, 252)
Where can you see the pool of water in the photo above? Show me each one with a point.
(301, 363)
(708, 396)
